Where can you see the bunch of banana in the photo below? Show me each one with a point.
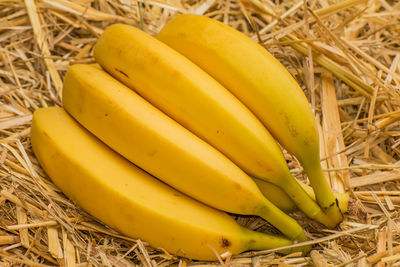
(154, 142)
(259, 80)
(167, 116)
(130, 200)
(190, 96)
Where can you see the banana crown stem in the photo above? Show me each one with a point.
(304, 202)
(323, 192)
(259, 241)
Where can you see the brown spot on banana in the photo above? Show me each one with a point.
(152, 153)
(238, 186)
(123, 73)
(293, 131)
(225, 243)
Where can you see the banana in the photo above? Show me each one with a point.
(130, 200)
(190, 96)
(262, 84)
(156, 143)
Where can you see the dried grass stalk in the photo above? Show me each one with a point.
(344, 54)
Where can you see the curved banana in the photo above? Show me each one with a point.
(262, 83)
(131, 201)
(190, 96)
(157, 144)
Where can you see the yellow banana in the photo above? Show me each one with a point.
(190, 96)
(156, 143)
(130, 200)
(262, 84)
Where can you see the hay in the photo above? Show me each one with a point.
(345, 55)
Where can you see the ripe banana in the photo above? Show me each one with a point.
(130, 200)
(156, 143)
(190, 96)
(262, 84)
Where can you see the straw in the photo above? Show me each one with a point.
(344, 54)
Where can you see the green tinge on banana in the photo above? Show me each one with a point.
(280, 199)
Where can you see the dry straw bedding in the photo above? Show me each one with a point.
(344, 54)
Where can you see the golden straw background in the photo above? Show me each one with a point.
(344, 54)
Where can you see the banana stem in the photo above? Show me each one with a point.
(343, 198)
(323, 192)
(304, 202)
(283, 222)
(259, 241)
